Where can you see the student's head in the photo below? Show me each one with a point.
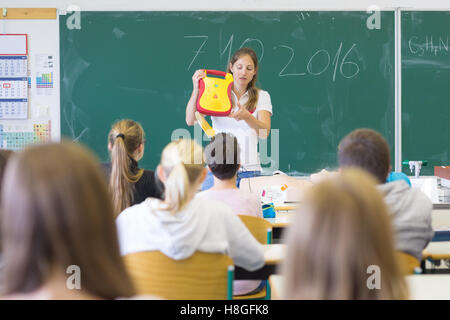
(367, 149)
(341, 234)
(222, 156)
(182, 170)
(57, 213)
(244, 67)
(126, 144)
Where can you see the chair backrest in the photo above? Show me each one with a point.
(408, 263)
(260, 228)
(203, 276)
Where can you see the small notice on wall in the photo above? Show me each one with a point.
(44, 67)
(13, 44)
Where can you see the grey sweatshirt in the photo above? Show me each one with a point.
(410, 211)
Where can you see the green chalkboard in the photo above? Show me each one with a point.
(327, 73)
(425, 88)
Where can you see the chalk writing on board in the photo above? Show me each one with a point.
(229, 46)
(302, 16)
(257, 41)
(347, 69)
(205, 39)
(421, 46)
(281, 74)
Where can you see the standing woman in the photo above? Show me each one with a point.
(250, 116)
(128, 183)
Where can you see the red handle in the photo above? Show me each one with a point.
(216, 73)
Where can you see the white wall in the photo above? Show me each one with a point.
(43, 38)
(227, 4)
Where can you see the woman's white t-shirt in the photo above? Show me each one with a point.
(246, 136)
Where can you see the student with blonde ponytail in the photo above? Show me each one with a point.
(129, 184)
(183, 223)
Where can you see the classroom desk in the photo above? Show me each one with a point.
(429, 287)
(286, 207)
(276, 282)
(273, 256)
(440, 220)
(421, 287)
(281, 220)
(279, 223)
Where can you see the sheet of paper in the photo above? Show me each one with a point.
(13, 44)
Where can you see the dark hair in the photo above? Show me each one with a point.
(251, 87)
(222, 156)
(64, 217)
(367, 149)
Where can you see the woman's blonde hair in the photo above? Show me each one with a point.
(124, 138)
(251, 87)
(182, 162)
(341, 230)
(57, 212)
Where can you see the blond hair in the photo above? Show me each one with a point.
(341, 229)
(64, 217)
(124, 138)
(182, 162)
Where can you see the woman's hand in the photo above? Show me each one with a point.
(240, 114)
(199, 74)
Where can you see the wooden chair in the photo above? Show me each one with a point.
(408, 263)
(203, 276)
(261, 229)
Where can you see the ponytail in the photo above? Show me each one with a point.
(177, 186)
(124, 138)
(183, 163)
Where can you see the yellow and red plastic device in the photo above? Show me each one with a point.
(214, 97)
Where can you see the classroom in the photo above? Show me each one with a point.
(296, 94)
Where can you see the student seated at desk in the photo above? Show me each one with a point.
(128, 183)
(340, 238)
(222, 158)
(181, 224)
(410, 208)
(57, 222)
